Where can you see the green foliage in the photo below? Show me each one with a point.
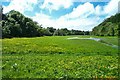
(59, 66)
(118, 29)
(108, 27)
(58, 57)
(14, 24)
(51, 30)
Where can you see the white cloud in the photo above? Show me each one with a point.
(81, 11)
(79, 23)
(43, 19)
(80, 18)
(98, 10)
(77, 19)
(112, 7)
(56, 4)
(20, 5)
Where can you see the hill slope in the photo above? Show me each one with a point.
(109, 27)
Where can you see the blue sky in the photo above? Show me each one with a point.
(71, 14)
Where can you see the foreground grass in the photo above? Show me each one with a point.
(58, 57)
(60, 66)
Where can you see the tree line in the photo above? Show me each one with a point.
(15, 24)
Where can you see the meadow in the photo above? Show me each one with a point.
(59, 57)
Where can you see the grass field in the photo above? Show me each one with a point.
(59, 57)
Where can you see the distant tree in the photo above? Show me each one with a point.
(17, 25)
(51, 30)
(119, 29)
(5, 29)
(87, 32)
(1, 12)
(15, 30)
(46, 32)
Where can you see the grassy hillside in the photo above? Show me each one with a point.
(109, 27)
(59, 57)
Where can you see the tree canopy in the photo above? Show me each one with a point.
(109, 27)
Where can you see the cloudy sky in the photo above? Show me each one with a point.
(71, 14)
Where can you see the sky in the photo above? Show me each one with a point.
(70, 14)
